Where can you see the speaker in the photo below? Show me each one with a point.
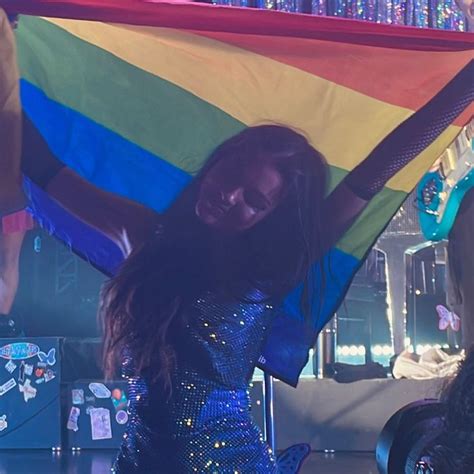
(58, 293)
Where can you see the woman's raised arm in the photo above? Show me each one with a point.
(405, 143)
(127, 223)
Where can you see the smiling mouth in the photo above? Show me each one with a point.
(215, 208)
(211, 210)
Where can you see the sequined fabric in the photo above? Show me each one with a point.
(205, 426)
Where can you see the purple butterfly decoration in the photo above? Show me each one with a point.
(447, 319)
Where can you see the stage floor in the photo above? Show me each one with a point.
(99, 462)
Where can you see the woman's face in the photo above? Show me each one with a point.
(233, 196)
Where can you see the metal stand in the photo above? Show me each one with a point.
(324, 355)
(268, 415)
(395, 248)
(422, 281)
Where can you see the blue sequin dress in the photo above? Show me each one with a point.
(205, 426)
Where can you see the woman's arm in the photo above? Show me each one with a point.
(340, 210)
(126, 223)
(405, 143)
(11, 195)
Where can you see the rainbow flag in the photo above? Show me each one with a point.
(135, 95)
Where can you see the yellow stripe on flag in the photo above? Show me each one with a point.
(250, 87)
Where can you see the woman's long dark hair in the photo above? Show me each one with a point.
(142, 307)
(453, 453)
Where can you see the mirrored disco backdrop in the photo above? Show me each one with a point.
(443, 14)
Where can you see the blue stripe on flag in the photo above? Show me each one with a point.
(101, 156)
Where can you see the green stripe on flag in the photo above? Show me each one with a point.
(145, 109)
(361, 236)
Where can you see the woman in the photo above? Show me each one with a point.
(187, 313)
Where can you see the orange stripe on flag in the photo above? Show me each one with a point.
(400, 77)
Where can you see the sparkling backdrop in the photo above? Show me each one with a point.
(420, 13)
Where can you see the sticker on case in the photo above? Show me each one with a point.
(77, 396)
(19, 350)
(119, 399)
(3, 422)
(121, 417)
(7, 386)
(10, 366)
(29, 370)
(21, 373)
(49, 358)
(99, 390)
(28, 391)
(73, 418)
(49, 375)
(101, 426)
(39, 372)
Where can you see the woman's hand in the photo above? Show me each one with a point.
(127, 223)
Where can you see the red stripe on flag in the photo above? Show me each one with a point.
(204, 17)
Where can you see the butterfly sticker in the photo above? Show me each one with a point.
(447, 319)
(290, 460)
(50, 358)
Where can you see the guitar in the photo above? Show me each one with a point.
(442, 189)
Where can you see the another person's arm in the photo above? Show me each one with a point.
(10, 248)
(126, 223)
(11, 196)
(405, 143)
